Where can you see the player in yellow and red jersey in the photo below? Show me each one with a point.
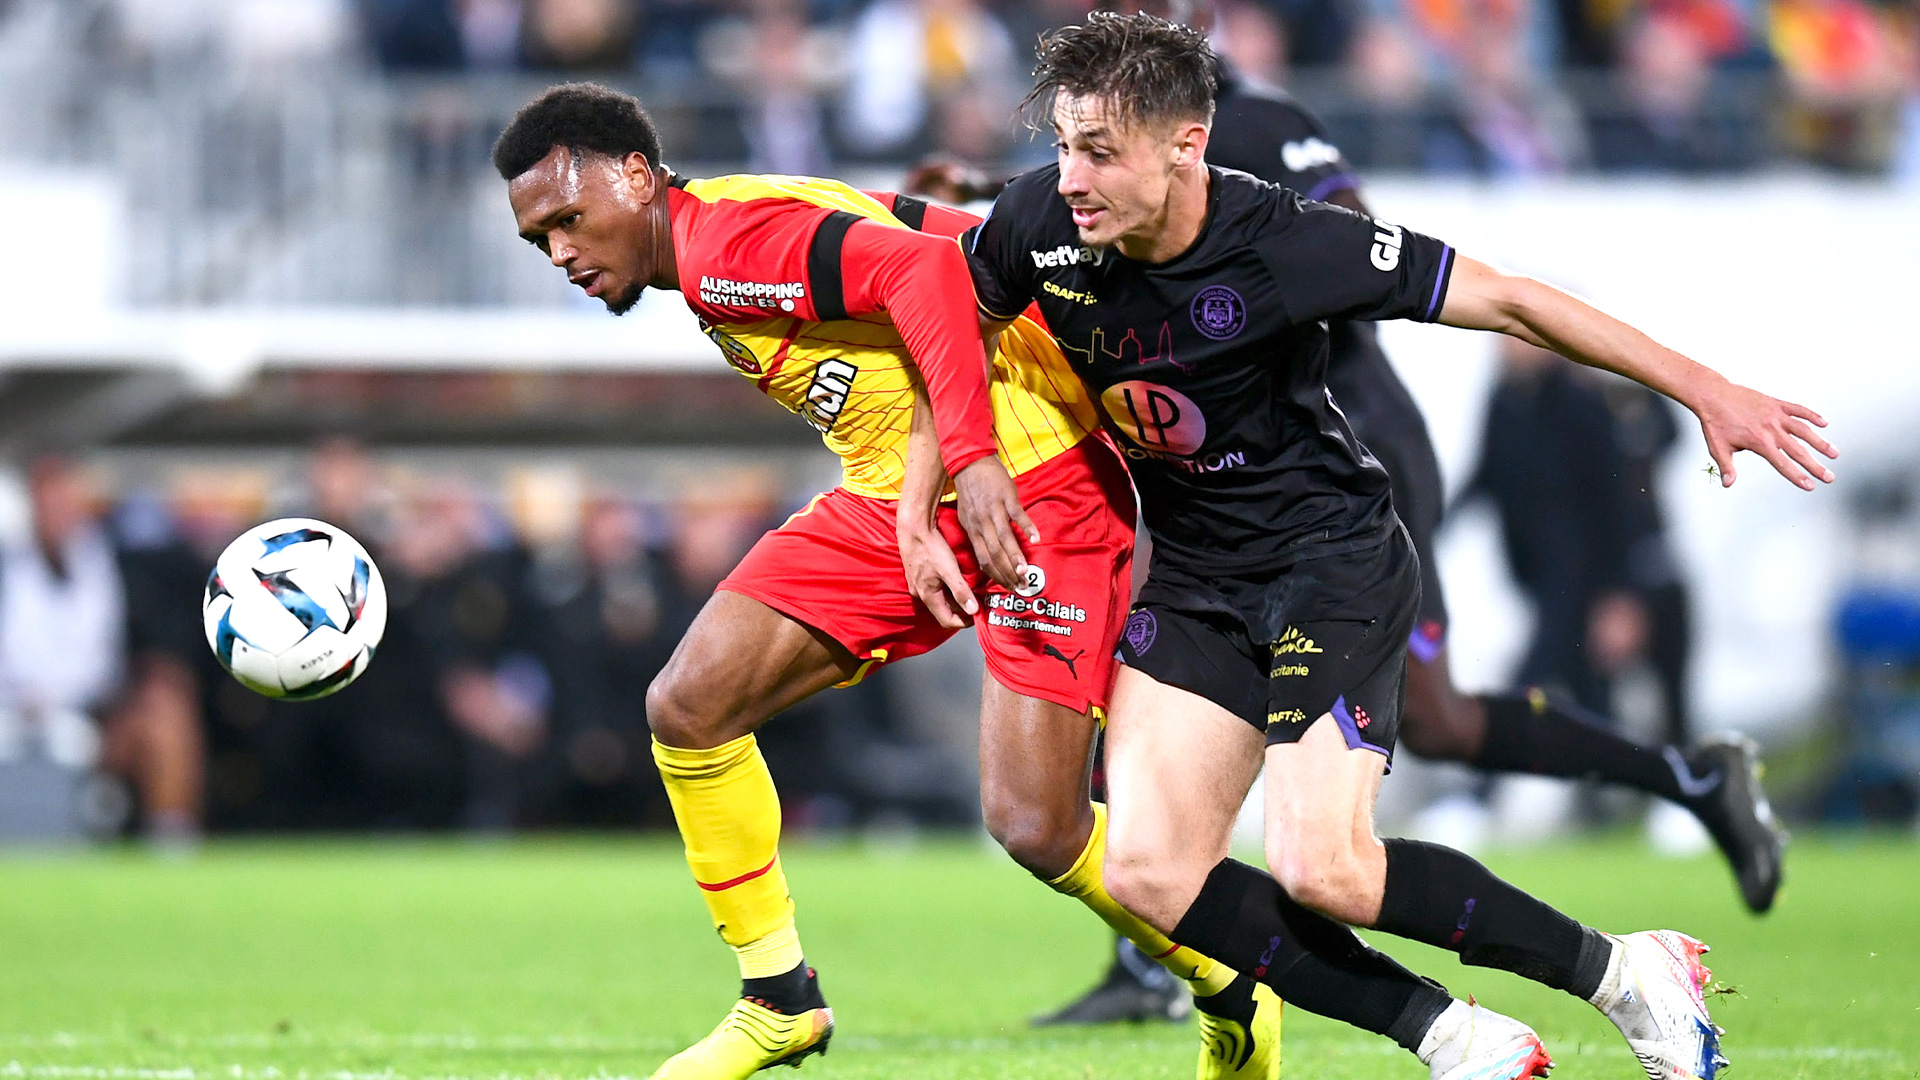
(841, 308)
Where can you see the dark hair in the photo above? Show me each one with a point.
(1147, 69)
(580, 116)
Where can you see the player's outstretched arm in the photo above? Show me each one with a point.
(1732, 417)
(933, 574)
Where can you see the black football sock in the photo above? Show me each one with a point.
(1243, 919)
(1531, 733)
(1233, 1003)
(1441, 897)
(793, 992)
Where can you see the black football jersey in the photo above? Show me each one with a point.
(1264, 131)
(1211, 367)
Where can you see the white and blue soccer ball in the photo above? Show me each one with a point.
(294, 609)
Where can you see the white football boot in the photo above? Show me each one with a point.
(1654, 992)
(1468, 1042)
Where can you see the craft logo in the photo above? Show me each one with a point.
(1219, 313)
(725, 292)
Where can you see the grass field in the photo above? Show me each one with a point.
(590, 958)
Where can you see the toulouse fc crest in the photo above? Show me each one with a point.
(1219, 313)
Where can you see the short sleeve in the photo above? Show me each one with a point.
(1331, 263)
(1002, 275)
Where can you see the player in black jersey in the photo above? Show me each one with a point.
(1265, 132)
(1283, 588)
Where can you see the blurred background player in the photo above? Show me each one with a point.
(840, 310)
(1263, 131)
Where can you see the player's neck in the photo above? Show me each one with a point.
(666, 267)
(1179, 223)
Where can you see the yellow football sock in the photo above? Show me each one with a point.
(1083, 883)
(729, 818)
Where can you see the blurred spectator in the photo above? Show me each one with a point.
(1551, 464)
(1657, 599)
(1509, 120)
(1842, 60)
(780, 68)
(930, 74)
(63, 658)
(490, 32)
(414, 35)
(157, 734)
(670, 37)
(459, 604)
(1311, 33)
(1253, 40)
(1663, 124)
(580, 35)
(603, 608)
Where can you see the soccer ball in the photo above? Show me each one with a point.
(294, 609)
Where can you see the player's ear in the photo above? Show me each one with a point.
(1189, 144)
(639, 173)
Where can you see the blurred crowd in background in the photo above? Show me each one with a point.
(1490, 87)
(529, 611)
(328, 157)
(531, 608)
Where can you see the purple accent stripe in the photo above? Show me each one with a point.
(1425, 647)
(1336, 182)
(1439, 283)
(1348, 728)
(1351, 731)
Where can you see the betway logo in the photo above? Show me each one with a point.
(1068, 255)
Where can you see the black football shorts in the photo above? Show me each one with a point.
(1323, 637)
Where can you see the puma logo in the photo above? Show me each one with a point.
(1049, 650)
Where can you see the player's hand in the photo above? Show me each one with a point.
(1735, 417)
(989, 511)
(934, 577)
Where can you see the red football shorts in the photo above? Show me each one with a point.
(835, 566)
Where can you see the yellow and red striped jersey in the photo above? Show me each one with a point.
(763, 262)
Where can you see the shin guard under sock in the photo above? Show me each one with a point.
(729, 816)
(1443, 898)
(1244, 918)
(1531, 733)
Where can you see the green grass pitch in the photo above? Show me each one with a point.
(573, 959)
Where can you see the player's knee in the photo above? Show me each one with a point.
(1045, 841)
(1323, 876)
(1155, 890)
(675, 711)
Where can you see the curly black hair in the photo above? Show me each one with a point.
(580, 116)
(1146, 68)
